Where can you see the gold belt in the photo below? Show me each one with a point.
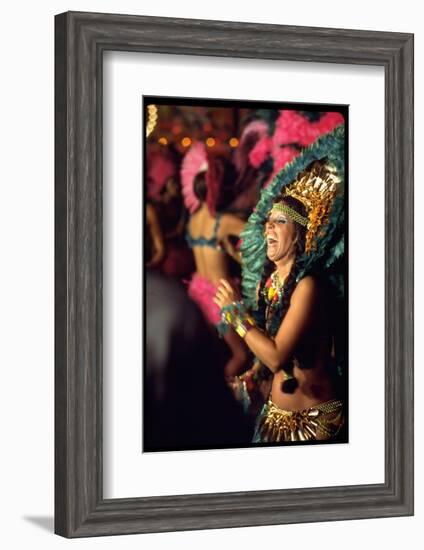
(319, 422)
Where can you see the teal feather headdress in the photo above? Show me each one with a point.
(329, 245)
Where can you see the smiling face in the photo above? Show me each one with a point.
(280, 235)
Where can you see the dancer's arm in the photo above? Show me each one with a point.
(231, 225)
(231, 249)
(274, 353)
(156, 234)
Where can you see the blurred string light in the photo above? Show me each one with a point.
(233, 142)
(186, 142)
(152, 118)
(163, 141)
(210, 142)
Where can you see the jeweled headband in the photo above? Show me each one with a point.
(291, 213)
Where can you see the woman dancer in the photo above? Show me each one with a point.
(291, 333)
(205, 184)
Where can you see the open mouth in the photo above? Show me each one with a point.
(271, 241)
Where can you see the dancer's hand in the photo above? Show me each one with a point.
(226, 294)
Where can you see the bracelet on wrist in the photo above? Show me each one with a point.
(243, 326)
(237, 316)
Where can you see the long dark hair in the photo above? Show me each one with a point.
(199, 186)
(289, 285)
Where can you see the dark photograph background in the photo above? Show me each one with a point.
(193, 397)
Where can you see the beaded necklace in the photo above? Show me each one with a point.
(273, 296)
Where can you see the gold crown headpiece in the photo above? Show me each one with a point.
(316, 188)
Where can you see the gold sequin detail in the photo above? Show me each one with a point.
(316, 188)
(320, 422)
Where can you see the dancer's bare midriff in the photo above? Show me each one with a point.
(312, 382)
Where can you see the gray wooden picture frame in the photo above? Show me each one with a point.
(80, 40)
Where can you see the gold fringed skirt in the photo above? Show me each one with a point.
(321, 422)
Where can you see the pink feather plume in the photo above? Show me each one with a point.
(194, 162)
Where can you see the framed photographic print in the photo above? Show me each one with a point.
(234, 268)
